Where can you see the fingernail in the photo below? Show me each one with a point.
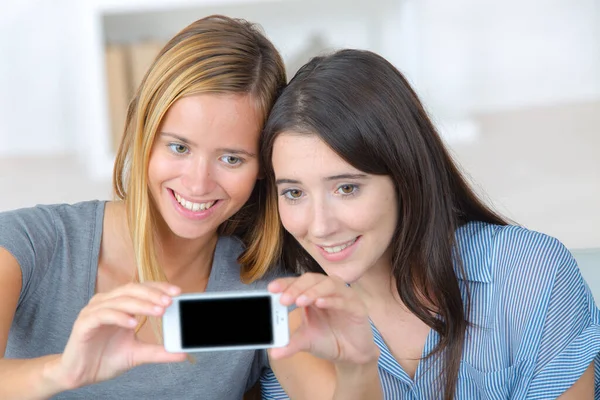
(165, 300)
(174, 290)
(286, 299)
(158, 309)
(302, 299)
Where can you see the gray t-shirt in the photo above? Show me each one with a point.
(57, 247)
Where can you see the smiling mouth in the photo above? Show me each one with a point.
(338, 248)
(192, 206)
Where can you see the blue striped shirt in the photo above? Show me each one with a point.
(535, 328)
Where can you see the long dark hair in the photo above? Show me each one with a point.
(365, 110)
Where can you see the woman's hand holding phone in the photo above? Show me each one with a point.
(103, 342)
(335, 322)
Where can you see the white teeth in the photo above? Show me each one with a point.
(193, 206)
(337, 249)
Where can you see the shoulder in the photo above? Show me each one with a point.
(79, 213)
(30, 232)
(533, 302)
(27, 227)
(534, 282)
(34, 235)
(42, 213)
(494, 253)
(27, 215)
(535, 257)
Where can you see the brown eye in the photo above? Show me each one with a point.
(295, 194)
(347, 189)
(292, 194)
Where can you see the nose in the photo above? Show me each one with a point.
(198, 178)
(324, 222)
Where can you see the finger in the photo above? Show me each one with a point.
(280, 284)
(104, 318)
(326, 286)
(341, 304)
(323, 289)
(154, 353)
(157, 292)
(299, 341)
(299, 285)
(155, 289)
(128, 304)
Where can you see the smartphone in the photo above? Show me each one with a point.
(225, 321)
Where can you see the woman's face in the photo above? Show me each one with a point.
(344, 218)
(204, 164)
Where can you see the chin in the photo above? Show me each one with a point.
(189, 233)
(343, 273)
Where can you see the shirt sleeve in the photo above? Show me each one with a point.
(570, 338)
(270, 388)
(29, 234)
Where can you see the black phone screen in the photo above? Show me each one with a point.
(226, 322)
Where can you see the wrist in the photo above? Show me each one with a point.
(353, 370)
(358, 381)
(54, 378)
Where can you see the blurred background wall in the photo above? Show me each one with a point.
(514, 87)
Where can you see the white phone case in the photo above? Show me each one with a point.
(171, 322)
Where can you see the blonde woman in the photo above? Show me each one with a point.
(83, 286)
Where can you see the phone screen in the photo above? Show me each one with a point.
(226, 322)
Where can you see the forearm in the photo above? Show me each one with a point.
(30, 379)
(358, 382)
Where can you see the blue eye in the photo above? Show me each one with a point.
(178, 148)
(231, 160)
(347, 189)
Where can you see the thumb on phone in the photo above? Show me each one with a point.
(299, 341)
(155, 353)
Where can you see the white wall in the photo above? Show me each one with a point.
(462, 55)
(31, 79)
(289, 23)
(491, 55)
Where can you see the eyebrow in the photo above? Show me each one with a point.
(220, 150)
(174, 136)
(328, 178)
(236, 151)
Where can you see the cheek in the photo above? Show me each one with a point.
(161, 168)
(239, 183)
(154, 171)
(292, 217)
(376, 215)
(385, 217)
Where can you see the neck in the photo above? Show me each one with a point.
(377, 287)
(183, 259)
(185, 262)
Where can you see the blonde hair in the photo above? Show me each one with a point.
(216, 54)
